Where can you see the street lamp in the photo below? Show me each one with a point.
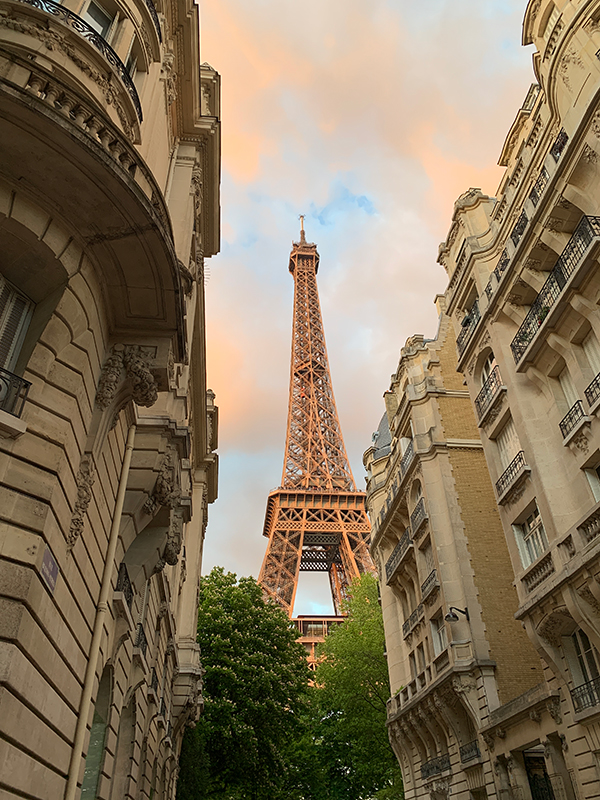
(452, 616)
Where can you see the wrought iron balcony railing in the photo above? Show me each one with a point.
(124, 585)
(469, 751)
(397, 554)
(559, 145)
(489, 391)
(539, 186)
(587, 695)
(140, 638)
(162, 708)
(435, 765)
(407, 458)
(418, 516)
(73, 21)
(510, 473)
(411, 623)
(152, 9)
(469, 325)
(13, 392)
(519, 228)
(429, 584)
(592, 393)
(587, 230)
(539, 572)
(571, 419)
(154, 680)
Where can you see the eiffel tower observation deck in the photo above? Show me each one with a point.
(316, 521)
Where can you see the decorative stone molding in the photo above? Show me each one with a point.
(581, 443)
(553, 708)
(54, 41)
(167, 491)
(174, 538)
(589, 154)
(86, 475)
(588, 597)
(134, 361)
(169, 77)
(571, 56)
(187, 278)
(490, 741)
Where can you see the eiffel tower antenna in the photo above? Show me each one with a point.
(315, 521)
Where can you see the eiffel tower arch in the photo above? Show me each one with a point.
(315, 521)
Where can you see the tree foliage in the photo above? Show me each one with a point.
(255, 690)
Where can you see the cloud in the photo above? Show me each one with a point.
(370, 118)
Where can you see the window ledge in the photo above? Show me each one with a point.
(11, 427)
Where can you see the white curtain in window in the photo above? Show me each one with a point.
(508, 443)
(15, 312)
(592, 350)
(568, 388)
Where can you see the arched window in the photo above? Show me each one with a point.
(488, 366)
(95, 754)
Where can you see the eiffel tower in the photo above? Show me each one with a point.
(315, 521)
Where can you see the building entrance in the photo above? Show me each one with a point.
(537, 775)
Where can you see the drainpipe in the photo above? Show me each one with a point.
(101, 614)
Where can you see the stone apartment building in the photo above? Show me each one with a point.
(109, 204)
(455, 651)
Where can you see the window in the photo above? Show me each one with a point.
(98, 19)
(438, 633)
(591, 348)
(508, 443)
(413, 665)
(566, 384)
(421, 658)
(582, 657)
(428, 559)
(15, 314)
(488, 366)
(531, 538)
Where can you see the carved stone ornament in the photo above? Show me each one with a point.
(581, 443)
(516, 493)
(206, 101)
(587, 596)
(55, 41)
(590, 155)
(489, 740)
(174, 538)
(86, 475)
(570, 57)
(162, 610)
(187, 279)
(134, 361)
(554, 224)
(464, 684)
(495, 411)
(169, 77)
(533, 264)
(535, 716)
(553, 707)
(592, 25)
(563, 742)
(166, 490)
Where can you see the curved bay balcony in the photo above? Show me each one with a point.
(397, 556)
(74, 159)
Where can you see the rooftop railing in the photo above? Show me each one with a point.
(510, 473)
(587, 230)
(80, 26)
(571, 419)
(488, 392)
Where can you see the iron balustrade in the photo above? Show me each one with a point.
(169, 730)
(124, 585)
(469, 325)
(140, 639)
(587, 230)
(469, 751)
(587, 695)
(502, 263)
(163, 708)
(429, 584)
(489, 290)
(488, 392)
(559, 145)
(406, 459)
(152, 9)
(435, 765)
(519, 229)
(418, 515)
(592, 393)
(591, 527)
(414, 619)
(154, 680)
(13, 392)
(539, 186)
(571, 419)
(79, 25)
(510, 473)
(397, 554)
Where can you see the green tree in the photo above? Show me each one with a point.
(349, 705)
(255, 690)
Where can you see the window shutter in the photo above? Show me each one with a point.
(592, 350)
(15, 312)
(567, 386)
(508, 443)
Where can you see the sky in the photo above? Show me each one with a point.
(370, 117)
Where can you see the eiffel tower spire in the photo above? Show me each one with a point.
(316, 521)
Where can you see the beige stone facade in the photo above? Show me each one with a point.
(109, 204)
(438, 545)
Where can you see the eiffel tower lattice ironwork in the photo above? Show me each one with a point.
(316, 521)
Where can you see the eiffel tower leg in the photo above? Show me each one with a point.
(281, 565)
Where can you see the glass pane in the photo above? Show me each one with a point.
(98, 19)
